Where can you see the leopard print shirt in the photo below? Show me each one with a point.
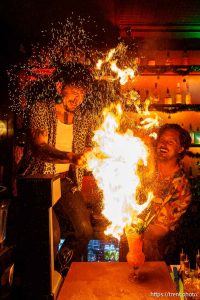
(43, 117)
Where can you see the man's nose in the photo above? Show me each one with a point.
(163, 143)
(76, 99)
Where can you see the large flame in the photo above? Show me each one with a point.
(111, 60)
(114, 162)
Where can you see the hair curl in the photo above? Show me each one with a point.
(73, 73)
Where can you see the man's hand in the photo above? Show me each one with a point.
(73, 158)
(79, 160)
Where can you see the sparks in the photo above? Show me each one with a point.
(110, 61)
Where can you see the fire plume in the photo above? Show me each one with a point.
(114, 162)
(110, 62)
(123, 75)
(150, 122)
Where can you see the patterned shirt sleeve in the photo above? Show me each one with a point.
(39, 116)
(178, 201)
(91, 128)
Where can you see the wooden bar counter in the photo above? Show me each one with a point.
(113, 281)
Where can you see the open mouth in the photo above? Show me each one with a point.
(163, 150)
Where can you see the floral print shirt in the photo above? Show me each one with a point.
(172, 198)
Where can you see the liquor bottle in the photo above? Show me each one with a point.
(156, 97)
(151, 62)
(188, 97)
(168, 98)
(182, 266)
(185, 60)
(191, 132)
(197, 271)
(198, 259)
(147, 102)
(178, 97)
(182, 259)
(168, 61)
(186, 267)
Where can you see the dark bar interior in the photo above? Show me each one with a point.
(99, 149)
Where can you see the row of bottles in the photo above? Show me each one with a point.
(179, 98)
(154, 97)
(184, 60)
(185, 265)
(181, 58)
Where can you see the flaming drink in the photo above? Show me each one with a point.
(114, 162)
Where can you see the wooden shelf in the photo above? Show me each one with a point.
(169, 70)
(168, 108)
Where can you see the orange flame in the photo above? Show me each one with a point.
(111, 59)
(150, 122)
(99, 64)
(124, 75)
(110, 54)
(114, 161)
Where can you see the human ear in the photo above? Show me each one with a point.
(181, 150)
